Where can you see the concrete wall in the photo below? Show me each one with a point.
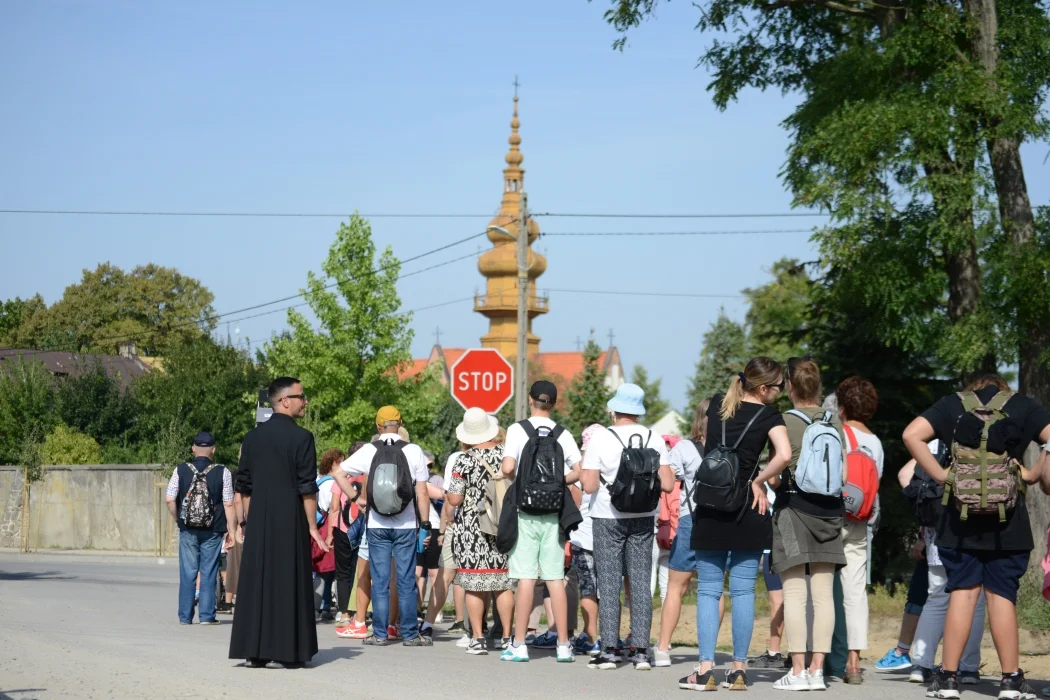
(103, 507)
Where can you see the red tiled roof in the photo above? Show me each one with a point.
(411, 369)
(452, 354)
(564, 364)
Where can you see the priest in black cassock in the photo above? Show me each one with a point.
(274, 617)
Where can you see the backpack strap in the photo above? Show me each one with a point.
(970, 402)
(529, 428)
(801, 416)
(998, 401)
(556, 432)
(850, 437)
(618, 439)
(746, 428)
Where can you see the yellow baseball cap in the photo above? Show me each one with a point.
(388, 414)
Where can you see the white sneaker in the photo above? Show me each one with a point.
(439, 619)
(518, 653)
(463, 642)
(816, 680)
(661, 659)
(565, 654)
(789, 681)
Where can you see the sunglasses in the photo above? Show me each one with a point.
(301, 397)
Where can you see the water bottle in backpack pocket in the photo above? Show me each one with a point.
(636, 488)
(717, 484)
(819, 467)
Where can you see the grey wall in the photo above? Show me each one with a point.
(104, 507)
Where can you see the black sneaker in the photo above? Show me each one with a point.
(944, 686)
(1015, 687)
(374, 641)
(768, 660)
(478, 647)
(605, 661)
(735, 680)
(457, 627)
(699, 681)
(427, 630)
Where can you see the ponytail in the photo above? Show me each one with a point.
(760, 371)
(733, 398)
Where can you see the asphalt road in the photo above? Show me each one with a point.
(106, 627)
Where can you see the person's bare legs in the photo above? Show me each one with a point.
(523, 609)
(439, 593)
(364, 591)
(961, 605)
(909, 623)
(476, 613)
(505, 608)
(776, 620)
(1002, 616)
(459, 599)
(677, 583)
(589, 606)
(560, 606)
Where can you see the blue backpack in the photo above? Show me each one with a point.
(820, 462)
(322, 515)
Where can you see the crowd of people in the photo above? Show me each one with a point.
(527, 519)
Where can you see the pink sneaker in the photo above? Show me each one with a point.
(393, 632)
(355, 630)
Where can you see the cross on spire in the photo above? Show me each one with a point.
(612, 338)
(579, 344)
(437, 336)
(516, 85)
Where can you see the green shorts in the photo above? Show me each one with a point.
(538, 553)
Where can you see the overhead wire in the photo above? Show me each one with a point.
(399, 215)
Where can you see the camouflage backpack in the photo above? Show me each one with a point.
(983, 482)
(198, 511)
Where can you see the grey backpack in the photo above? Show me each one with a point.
(390, 485)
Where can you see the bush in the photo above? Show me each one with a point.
(64, 445)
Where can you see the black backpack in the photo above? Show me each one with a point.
(924, 495)
(717, 483)
(636, 488)
(541, 471)
(391, 488)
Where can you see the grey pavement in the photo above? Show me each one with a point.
(106, 627)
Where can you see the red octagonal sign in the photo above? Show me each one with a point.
(482, 378)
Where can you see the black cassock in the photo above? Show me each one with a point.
(274, 616)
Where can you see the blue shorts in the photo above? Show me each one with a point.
(918, 588)
(999, 572)
(773, 582)
(682, 557)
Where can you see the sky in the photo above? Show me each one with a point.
(394, 108)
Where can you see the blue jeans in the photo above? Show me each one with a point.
(384, 545)
(711, 566)
(199, 552)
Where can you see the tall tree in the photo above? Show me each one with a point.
(723, 354)
(587, 395)
(779, 312)
(348, 364)
(92, 402)
(656, 407)
(27, 406)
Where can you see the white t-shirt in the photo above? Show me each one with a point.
(872, 445)
(516, 439)
(685, 458)
(448, 478)
(603, 455)
(324, 496)
(929, 534)
(583, 536)
(360, 462)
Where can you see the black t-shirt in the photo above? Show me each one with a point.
(720, 531)
(1027, 419)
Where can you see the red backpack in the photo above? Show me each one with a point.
(862, 480)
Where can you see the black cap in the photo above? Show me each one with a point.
(544, 391)
(203, 439)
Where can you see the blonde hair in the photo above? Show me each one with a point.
(759, 372)
(501, 436)
(698, 432)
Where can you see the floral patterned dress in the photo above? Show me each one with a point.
(481, 566)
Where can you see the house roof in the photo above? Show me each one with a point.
(72, 364)
(566, 364)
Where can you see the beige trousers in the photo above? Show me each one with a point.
(799, 592)
(854, 583)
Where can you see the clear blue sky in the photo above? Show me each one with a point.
(390, 107)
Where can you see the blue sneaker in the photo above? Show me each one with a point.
(583, 645)
(547, 640)
(893, 661)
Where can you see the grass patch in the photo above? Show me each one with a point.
(1033, 611)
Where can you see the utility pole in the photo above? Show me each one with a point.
(521, 371)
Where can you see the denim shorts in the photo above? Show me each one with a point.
(586, 574)
(362, 551)
(999, 572)
(682, 558)
(773, 582)
(918, 588)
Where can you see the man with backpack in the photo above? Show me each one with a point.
(627, 467)
(984, 538)
(200, 499)
(543, 457)
(398, 520)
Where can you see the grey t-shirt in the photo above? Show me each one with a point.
(685, 458)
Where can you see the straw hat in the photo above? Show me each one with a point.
(477, 427)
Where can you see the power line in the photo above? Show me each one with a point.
(391, 215)
(647, 294)
(676, 233)
(680, 216)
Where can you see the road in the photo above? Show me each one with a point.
(106, 627)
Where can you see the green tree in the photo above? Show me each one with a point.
(63, 445)
(92, 402)
(655, 405)
(587, 395)
(724, 353)
(348, 364)
(27, 405)
(204, 386)
(779, 313)
(23, 323)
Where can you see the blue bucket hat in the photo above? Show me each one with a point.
(628, 399)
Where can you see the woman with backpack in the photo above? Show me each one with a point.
(731, 524)
(685, 457)
(324, 565)
(481, 568)
(807, 525)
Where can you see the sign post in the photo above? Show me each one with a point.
(482, 378)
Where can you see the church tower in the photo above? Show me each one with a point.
(499, 266)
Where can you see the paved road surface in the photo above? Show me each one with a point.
(106, 627)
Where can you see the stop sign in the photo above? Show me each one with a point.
(482, 378)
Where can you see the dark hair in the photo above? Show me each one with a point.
(542, 405)
(982, 381)
(358, 444)
(804, 376)
(328, 460)
(278, 385)
(857, 399)
(697, 431)
(759, 372)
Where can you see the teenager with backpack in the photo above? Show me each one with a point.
(627, 466)
(327, 520)
(807, 537)
(542, 457)
(731, 523)
(473, 491)
(984, 538)
(398, 511)
(685, 457)
(200, 499)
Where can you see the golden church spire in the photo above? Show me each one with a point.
(499, 265)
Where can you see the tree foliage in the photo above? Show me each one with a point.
(723, 354)
(64, 445)
(587, 395)
(656, 407)
(27, 406)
